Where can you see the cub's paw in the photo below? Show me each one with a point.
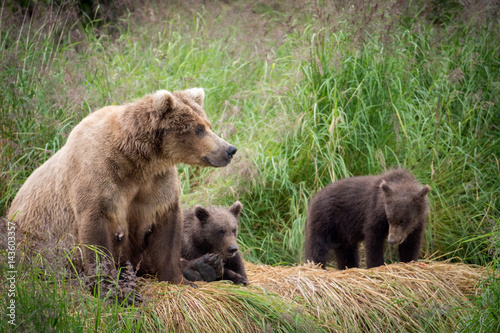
(191, 275)
(209, 267)
(240, 279)
(212, 268)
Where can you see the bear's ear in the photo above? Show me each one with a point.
(201, 213)
(198, 94)
(235, 209)
(386, 188)
(423, 192)
(164, 101)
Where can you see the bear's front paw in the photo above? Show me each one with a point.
(127, 283)
(132, 298)
(103, 282)
(239, 279)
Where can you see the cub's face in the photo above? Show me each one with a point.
(220, 228)
(406, 209)
(187, 136)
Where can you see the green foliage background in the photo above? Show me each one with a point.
(309, 92)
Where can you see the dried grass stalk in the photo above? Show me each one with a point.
(401, 297)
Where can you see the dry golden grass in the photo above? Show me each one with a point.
(413, 297)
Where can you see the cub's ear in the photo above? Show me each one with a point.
(386, 188)
(164, 101)
(235, 209)
(198, 94)
(423, 192)
(201, 213)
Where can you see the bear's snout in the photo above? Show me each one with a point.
(231, 251)
(391, 241)
(231, 151)
(220, 153)
(397, 235)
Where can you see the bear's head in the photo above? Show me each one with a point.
(405, 208)
(219, 228)
(174, 128)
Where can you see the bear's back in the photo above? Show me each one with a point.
(345, 195)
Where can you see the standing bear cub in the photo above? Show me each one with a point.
(115, 180)
(390, 206)
(209, 248)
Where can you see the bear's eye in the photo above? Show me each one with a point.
(234, 231)
(402, 221)
(221, 232)
(200, 129)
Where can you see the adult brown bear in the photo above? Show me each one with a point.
(116, 179)
(390, 206)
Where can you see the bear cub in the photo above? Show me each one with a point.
(390, 206)
(209, 248)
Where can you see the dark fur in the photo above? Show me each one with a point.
(370, 208)
(213, 231)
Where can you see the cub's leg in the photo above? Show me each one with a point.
(235, 277)
(374, 250)
(317, 245)
(347, 256)
(410, 248)
(234, 270)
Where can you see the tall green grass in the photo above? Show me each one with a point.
(309, 93)
(427, 101)
(428, 108)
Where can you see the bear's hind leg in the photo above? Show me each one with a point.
(317, 246)
(347, 257)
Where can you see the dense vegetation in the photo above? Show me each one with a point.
(308, 92)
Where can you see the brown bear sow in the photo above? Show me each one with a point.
(370, 208)
(116, 179)
(210, 233)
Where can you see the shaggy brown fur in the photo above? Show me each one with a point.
(371, 208)
(116, 180)
(213, 231)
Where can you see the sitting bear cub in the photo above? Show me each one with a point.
(209, 248)
(390, 206)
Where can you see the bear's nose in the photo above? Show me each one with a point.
(231, 151)
(391, 241)
(232, 249)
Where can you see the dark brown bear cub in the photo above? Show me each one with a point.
(370, 208)
(210, 234)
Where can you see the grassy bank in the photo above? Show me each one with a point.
(308, 92)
